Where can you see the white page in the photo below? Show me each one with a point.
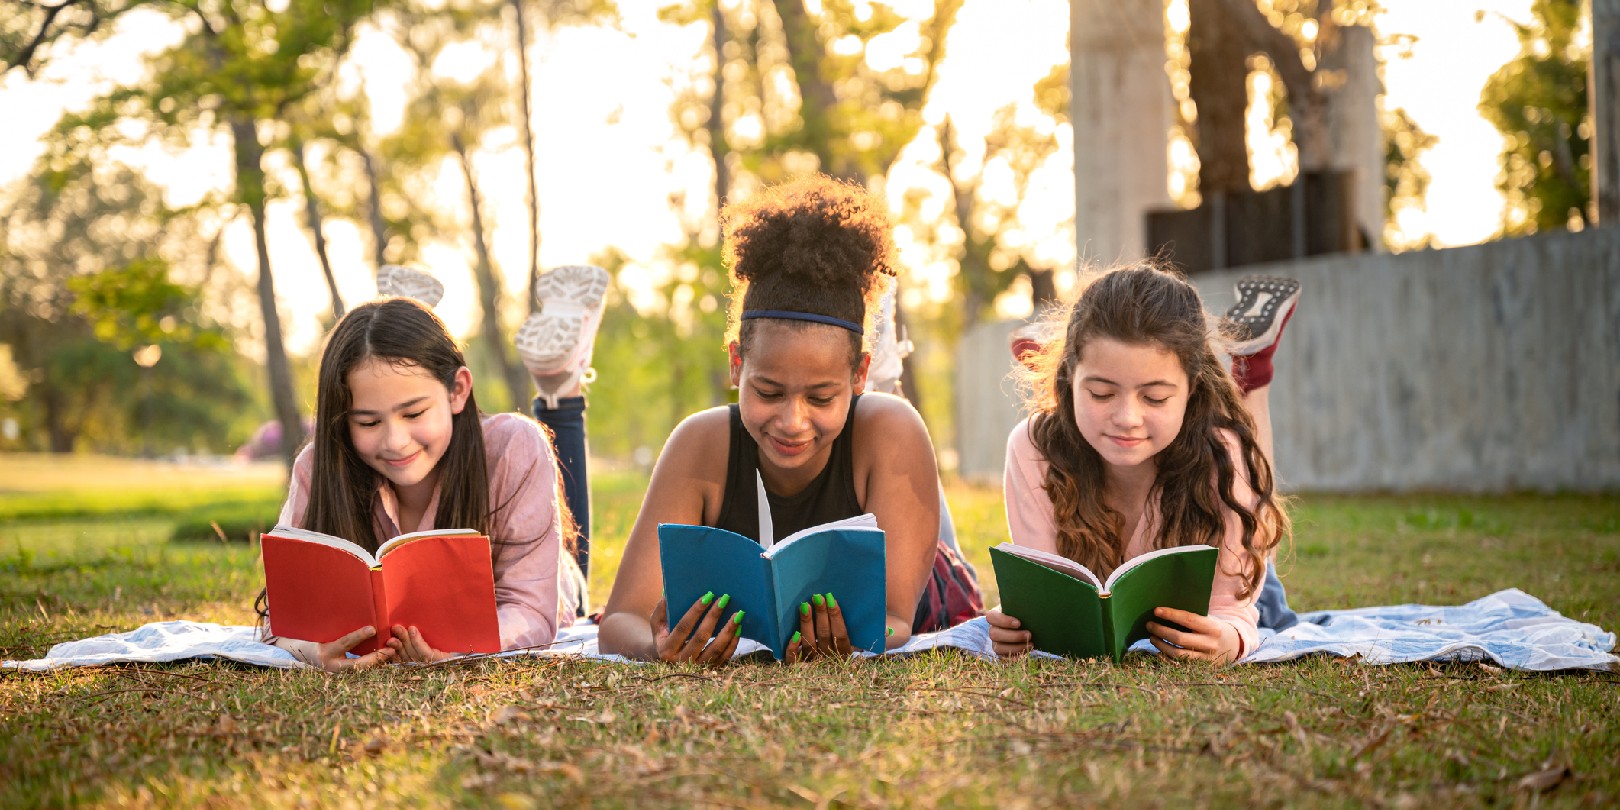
(1055, 562)
(863, 521)
(382, 551)
(1142, 558)
(327, 540)
(767, 530)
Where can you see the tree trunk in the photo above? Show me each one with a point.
(518, 381)
(719, 147)
(312, 217)
(1603, 88)
(1219, 88)
(379, 229)
(527, 128)
(816, 97)
(250, 192)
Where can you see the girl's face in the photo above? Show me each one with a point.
(794, 392)
(400, 421)
(1129, 400)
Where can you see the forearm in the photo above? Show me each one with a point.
(627, 635)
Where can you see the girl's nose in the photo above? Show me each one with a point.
(796, 416)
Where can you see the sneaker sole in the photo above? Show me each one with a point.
(574, 284)
(569, 297)
(396, 281)
(1258, 324)
(545, 343)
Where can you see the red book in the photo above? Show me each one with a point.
(321, 588)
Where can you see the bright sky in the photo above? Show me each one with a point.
(607, 165)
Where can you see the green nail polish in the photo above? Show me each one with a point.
(890, 633)
(804, 608)
(724, 600)
(707, 598)
(736, 618)
(831, 602)
(820, 602)
(795, 639)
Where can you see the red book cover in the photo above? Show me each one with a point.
(321, 588)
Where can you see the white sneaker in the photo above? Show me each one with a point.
(889, 346)
(394, 280)
(558, 339)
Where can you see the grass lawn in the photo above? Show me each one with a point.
(86, 549)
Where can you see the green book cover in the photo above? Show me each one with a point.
(1069, 611)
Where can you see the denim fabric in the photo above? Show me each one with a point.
(1273, 604)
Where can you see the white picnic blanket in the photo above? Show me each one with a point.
(1509, 628)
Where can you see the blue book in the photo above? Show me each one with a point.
(844, 558)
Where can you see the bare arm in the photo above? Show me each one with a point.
(894, 458)
(689, 473)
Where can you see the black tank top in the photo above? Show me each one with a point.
(831, 496)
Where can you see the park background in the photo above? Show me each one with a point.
(173, 173)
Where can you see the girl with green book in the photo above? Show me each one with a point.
(1139, 439)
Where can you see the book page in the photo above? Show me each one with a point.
(1141, 559)
(295, 533)
(862, 521)
(1055, 562)
(395, 542)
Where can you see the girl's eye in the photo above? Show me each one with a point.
(366, 423)
(771, 395)
(1152, 401)
(1100, 397)
(416, 414)
(821, 402)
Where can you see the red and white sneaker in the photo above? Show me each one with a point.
(555, 343)
(394, 280)
(1264, 305)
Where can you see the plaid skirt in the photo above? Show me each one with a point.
(951, 596)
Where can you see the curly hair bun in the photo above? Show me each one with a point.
(810, 245)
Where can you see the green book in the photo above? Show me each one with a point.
(1068, 611)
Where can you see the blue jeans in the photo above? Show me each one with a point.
(567, 425)
(1273, 603)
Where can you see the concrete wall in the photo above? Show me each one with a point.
(1485, 368)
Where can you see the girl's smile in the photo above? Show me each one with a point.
(1129, 400)
(794, 393)
(400, 422)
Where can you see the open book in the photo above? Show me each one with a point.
(322, 587)
(1068, 611)
(845, 558)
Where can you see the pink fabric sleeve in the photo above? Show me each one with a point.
(1023, 486)
(1224, 603)
(525, 532)
(292, 510)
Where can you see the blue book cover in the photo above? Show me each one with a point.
(845, 559)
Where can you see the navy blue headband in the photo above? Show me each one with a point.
(789, 315)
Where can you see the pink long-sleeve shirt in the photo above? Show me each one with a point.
(1030, 522)
(536, 579)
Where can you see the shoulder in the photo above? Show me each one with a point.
(886, 412)
(1227, 439)
(1021, 449)
(702, 428)
(699, 445)
(514, 439)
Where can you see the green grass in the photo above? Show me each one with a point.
(938, 729)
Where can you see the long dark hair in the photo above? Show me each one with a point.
(813, 245)
(1146, 304)
(403, 332)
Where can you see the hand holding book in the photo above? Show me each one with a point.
(693, 638)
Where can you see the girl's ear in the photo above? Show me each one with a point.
(460, 389)
(861, 368)
(736, 363)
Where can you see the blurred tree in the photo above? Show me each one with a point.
(552, 13)
(113, 349)
(1538, 101)
(242, 65)
(1406, 182)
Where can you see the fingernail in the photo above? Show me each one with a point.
(736, 618)
(707, 598)
(723, 600)
(890, 633)
(820, 602)
(795, 639)
(831, 602)
(804, 608)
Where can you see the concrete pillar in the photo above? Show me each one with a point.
(1356, 139)
(1122, 110)
(1604, 94)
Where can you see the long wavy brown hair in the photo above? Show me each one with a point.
(1147, 304)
